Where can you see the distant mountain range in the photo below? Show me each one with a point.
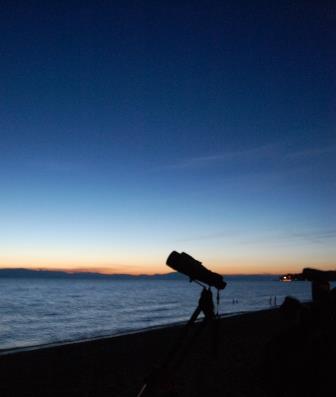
(46, 274)
(53, 274)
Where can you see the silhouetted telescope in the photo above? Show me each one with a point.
(186, 264)
(310, 274)
(320, 281)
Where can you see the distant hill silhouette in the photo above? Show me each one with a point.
(54, 274)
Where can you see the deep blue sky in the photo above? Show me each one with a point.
(129, 129)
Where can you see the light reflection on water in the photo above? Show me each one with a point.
(44, 311)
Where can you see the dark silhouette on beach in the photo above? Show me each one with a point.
(205, 305)
(156, 382)
(298, 360)
(280, 352)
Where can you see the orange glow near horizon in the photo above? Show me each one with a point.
(138, 260)
(150, 269)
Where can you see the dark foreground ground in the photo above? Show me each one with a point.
(243, 366)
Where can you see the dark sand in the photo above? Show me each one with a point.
(117, 366)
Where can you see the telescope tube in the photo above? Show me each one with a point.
(186, 264)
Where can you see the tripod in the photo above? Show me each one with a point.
(182, 344)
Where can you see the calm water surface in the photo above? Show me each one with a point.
(34, 312)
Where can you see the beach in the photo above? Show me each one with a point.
(235, 365)
(118, 366)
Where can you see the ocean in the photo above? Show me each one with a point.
(42, 311)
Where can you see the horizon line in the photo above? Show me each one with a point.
(92, 271)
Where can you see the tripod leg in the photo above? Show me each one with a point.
(142, 390)
(189, 345)
(194, 316)
(177, 348)
(215, 334)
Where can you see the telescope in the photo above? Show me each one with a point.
(187, 265)
(318, 275)
(320, 281)
(309, 274)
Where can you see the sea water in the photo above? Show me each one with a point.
(39, 311)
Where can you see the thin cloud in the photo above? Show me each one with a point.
(210, 236)
(276, 152)
(312, 236)
(228, 156)
(311, 153)
(58, 165)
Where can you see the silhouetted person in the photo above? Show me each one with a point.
(332, 300)
(287, 354)
(320, 287)
(292, 312)
(320, 290)
(301, 357)
(320, 298)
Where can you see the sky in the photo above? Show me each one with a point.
(130, 129)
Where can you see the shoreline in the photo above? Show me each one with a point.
(255, 354)
(60, 343)
(117, 365)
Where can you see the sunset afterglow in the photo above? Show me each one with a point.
(167, 128)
